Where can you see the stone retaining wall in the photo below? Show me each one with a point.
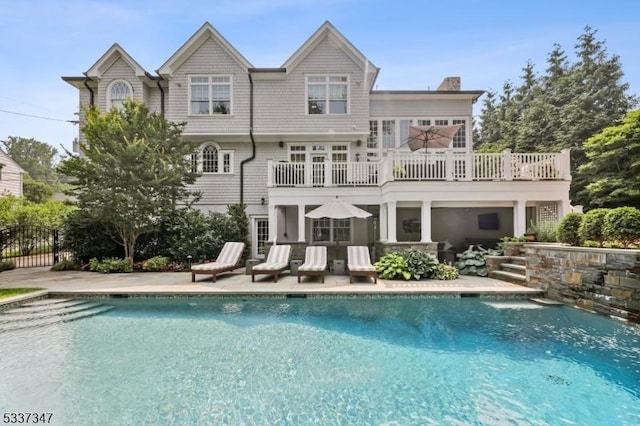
(382, 248)
(603, 280)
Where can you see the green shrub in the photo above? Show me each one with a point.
(568, 230)
(472, 262)
(420, 264)
(65, 265)
(592, 226)
(155, 264)
(391, 266)
(110, 265)
(545, 231)
(444, 272)
(87, 237)
(622, 224)
(591, 243)
(7, 266)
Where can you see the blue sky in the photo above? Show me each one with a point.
(415, 43)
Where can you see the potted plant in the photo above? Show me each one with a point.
(531, 234)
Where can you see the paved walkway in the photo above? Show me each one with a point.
(69, 283)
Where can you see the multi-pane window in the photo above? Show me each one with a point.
(460, 139)
(424, 122)
(441, 122)
(331, 230)
(211, 159)
(210, 95)
(327, 94)
(372, 140)
(339, 153)
(297, 154)
(388, 134)
(119, 92)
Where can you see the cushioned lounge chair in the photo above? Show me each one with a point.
(277, 261)
(359, 263)
(315, 262)
(228, 260)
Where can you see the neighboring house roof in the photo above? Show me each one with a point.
(5, 159)
(205, 32)
(328, 31)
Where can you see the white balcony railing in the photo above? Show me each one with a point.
(447, 166)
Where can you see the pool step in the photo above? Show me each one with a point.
(46, 302)
(16, 320)
(41, 307)
(18, 315)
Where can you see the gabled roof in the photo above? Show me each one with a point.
(327, 30)
(205, 32)
(4, 159)
(114, 53)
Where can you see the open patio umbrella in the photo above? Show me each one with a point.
(431, 136)
(338, 209)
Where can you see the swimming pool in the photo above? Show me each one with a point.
(325, 361)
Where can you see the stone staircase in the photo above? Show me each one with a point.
(48, 311)
(513, 270)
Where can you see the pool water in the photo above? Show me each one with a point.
(404, 361)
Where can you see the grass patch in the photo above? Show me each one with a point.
(10, 292)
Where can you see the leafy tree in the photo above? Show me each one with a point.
(133, 170)
(37, 192)
(35, 157)
(613, 165)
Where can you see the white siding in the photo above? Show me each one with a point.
(210, 59)
(10, 176)
(281, 105)
(415, 108)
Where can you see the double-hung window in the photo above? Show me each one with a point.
(210, 95)
(327, 94)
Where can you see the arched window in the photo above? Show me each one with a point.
(119, 91)
(210, 158)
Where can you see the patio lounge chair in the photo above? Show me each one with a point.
(228, 260)
(359, 263)
(277, 261)
(315, 262)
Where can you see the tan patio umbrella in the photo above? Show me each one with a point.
(431, 136)
(338, 209)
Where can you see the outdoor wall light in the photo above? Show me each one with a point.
(358, 142)
(262, 201)
(281, 144)
(357, 157)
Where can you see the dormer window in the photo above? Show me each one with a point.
(210, 95)
(327, 94)
(119, 91)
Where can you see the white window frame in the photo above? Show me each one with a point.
(417, 121)
(198, 160)
(331, 231)
(327, 100)
(110, 88)
(210, 84)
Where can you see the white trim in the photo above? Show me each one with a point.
(254, 235)
(110, 87)
(327, 84)
(221, 156)
(210, 85)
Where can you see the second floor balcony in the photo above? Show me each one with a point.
(444, 166)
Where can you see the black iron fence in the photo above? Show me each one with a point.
(28, 247)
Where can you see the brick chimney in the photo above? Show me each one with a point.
(450, 83)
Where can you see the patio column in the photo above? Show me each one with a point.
(272, 222)
(383, 222)
(301, 224)
(391, 222)
(519, 218)
(425, 222)
(564, 207)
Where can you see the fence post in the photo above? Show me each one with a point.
(56, 247)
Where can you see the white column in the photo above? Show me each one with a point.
(519, 218)
(563, 209)
(425, 222)
(301, 224)
(273, 217)
(383, 222)
(391, 222)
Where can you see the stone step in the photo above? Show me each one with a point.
(515, 268)
(508, 276)
(518, 260)
(546, 302)
(16, 315)
(44, 307)
(17, 325)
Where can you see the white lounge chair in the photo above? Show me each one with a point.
(315, 262)
(277, 261)
(359, 263)
(228, 260)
